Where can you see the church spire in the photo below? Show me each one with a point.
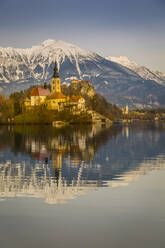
(55, 74)
(55, 80)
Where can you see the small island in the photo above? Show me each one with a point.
(58, 104)
(67, 104)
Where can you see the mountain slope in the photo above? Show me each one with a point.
(20, 68)
(142, 71)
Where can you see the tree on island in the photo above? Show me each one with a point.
(45, 85)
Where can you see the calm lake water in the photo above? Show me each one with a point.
(82, 187)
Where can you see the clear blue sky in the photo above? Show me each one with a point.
(109, 27)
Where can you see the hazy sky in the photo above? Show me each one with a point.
(133, 28)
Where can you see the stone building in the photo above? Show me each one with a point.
(77, 104)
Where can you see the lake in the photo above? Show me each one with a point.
(82, 186)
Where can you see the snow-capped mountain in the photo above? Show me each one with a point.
(121, 85)
(18, 64)
(142, 71)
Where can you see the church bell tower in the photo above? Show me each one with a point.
(55, 81)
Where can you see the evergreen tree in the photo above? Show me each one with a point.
(45, 85)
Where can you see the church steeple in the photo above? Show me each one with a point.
(55, 81)
(55, 74)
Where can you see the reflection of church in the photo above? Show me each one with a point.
(54, 148)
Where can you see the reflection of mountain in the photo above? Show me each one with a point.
(143, 168)
(58, 165)
(14, 182)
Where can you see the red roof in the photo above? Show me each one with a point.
(58, 95)
(84, 81)
(75, 98)
(27, 99)
(75, 80)
(40, 92)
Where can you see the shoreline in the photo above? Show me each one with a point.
(66, 124)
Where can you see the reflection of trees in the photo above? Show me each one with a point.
(128, 151)
(59, 164)
(42, 143)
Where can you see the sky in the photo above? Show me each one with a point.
(108, 27)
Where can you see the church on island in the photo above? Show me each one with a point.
(54, 99)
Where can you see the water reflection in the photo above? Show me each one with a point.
(60, 164)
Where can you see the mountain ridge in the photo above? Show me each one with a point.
(142, 71)
(20, 68)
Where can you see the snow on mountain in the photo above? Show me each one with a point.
(125, 61)
(17, 64)
(142, 71)
(37, 62)
(120, 81)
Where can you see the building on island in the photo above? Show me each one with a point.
(55, 99)
(77, 104)
(81, 83)
(39, 95)
(27, 103)
(55, 81)
(126, 110)
(75, 82)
